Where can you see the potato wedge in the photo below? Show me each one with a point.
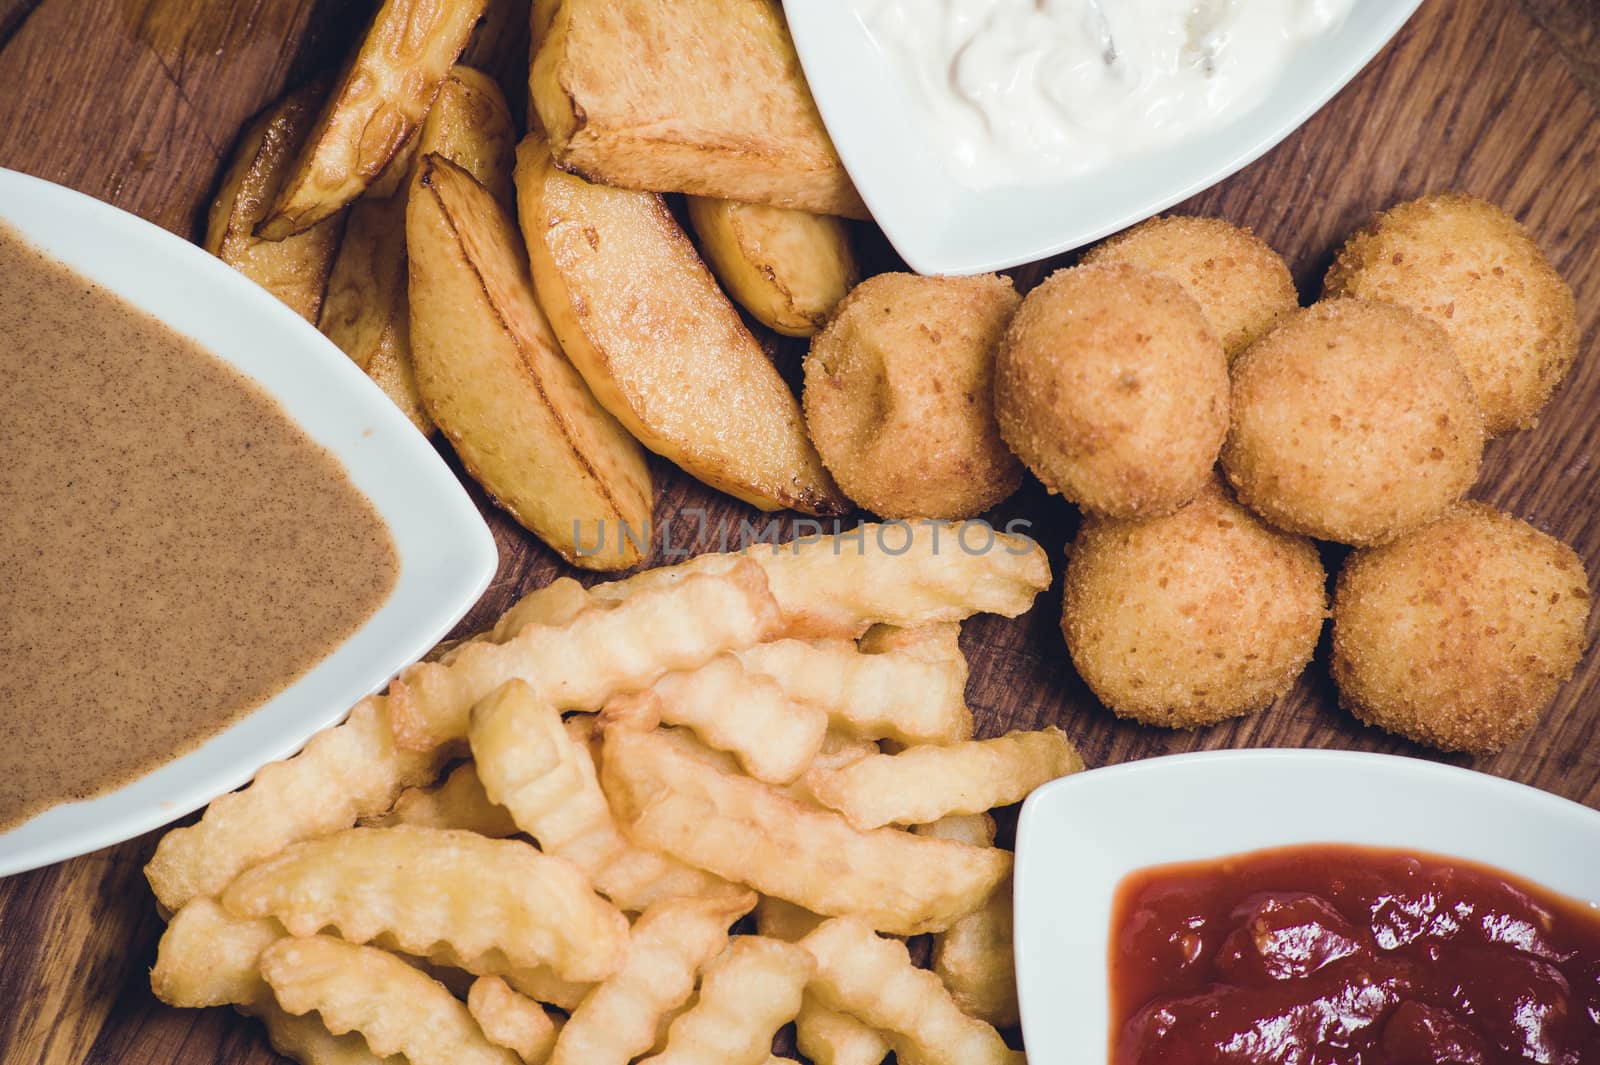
(294, 270)
(366, 311)
(493, 378)
(664, 351)
(788, 268)
(470, 125)
(377, 107)
(699, 96)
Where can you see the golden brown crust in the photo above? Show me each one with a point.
(1459, 634)
(1195, 617)
(700, 96)
(1112, 388)
(1473, 269)
(1242, 285)
(294, 270)
(1352, 422)
(899, 395)
(375, 110)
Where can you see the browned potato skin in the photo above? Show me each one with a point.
(788, 268)
(494, 380)
(622, 106)
(366, 311)
(1242, 285)
(1352, 422)
(1459, 634)
(375, 110)
(1113, 390)
(294, 270)
(899, 395)
(659, 343)
(1192, 618)
(1474, 270)
(470, 124)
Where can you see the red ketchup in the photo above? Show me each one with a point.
(1340, 955)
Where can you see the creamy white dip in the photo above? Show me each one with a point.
(1025, 91)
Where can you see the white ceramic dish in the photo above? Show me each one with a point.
(447, 555)
(941, 227)
(1078, 837)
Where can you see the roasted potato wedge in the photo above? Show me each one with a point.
(470, 125)
(663, 349)
(294, 270)
(699, 96)
(788, 268)
(493, 378)
(366, 311)
(375, 110)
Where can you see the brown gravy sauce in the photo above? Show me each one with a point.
(174, 551)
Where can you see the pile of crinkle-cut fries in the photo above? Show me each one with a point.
(628, 771)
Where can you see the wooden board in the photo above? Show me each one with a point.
(138, 102)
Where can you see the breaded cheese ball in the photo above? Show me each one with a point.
(899, 396)
(1352, 421)
(1113, 390)
(1241, 284)
(1458, 634)
(1191, 618)
(1472, 268)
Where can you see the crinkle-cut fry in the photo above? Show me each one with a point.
(208, 957)
(923, 784)
(829, 1037)
(975, 959)
(872, 979)
(838, 585)
(532, 767)
(307, 1040)
(427, 886)
(781, 919)
(974, 956)
(839, 749)
(396, 1008)
(375, 110)
(825, 1036)
(581, 828)
(746, 995)
(937, 641)
(745, 714)
(345, 773)
(894, 695)
(511, 1020)
(542, 985)
(671, 942)
(599, 653)
(557, 603)
(459, 802)
(745, 831)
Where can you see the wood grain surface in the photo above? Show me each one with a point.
(138, 102)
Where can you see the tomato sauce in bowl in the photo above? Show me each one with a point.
(1345, 955)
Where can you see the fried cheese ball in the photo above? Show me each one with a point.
(1472, 268)
(1352, 421)
(1113, 390)
(1241, 284)
(899, 395)
(1458, 634)
(1191, 618)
